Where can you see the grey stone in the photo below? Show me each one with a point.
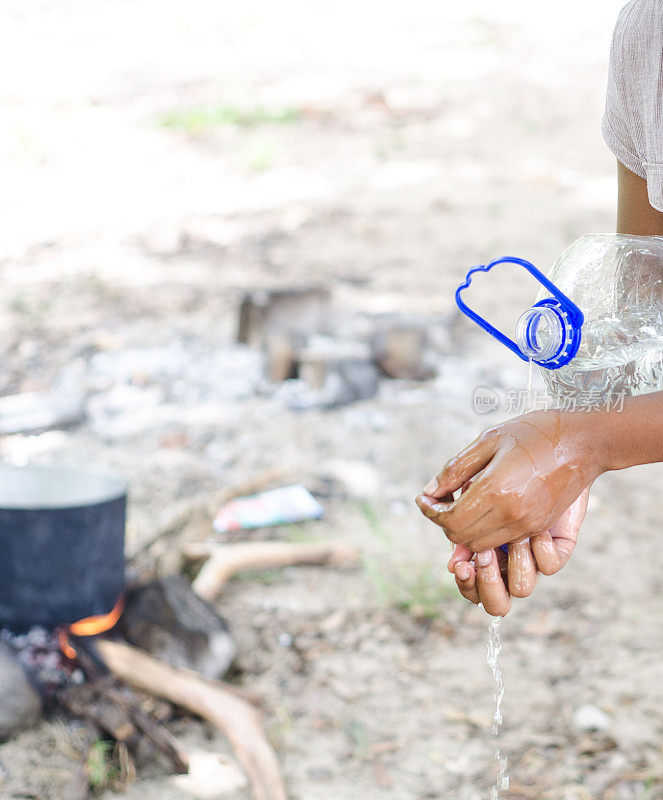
(31, 412)
(590, 718)
(297, 312)
(400, 347)
(281, 358)
(335, 373)
(166, 618)
(20, 705)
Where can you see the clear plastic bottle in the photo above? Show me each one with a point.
(596, 329)
(617, 282)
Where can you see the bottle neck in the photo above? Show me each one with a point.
(540, 333)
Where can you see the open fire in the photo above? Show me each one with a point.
(49, 658)
(75, 670)
(89, 626)
(161, 650)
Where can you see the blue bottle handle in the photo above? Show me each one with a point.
(570, 315)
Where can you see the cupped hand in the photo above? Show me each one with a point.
(493, 578)
(525, 474)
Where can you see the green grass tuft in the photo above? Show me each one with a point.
(100, 768)
(199, 120)
(416, 587)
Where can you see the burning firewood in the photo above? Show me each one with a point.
(88, 702)
(160, 737)
(116, 709)
(226, 560)
(210, 700)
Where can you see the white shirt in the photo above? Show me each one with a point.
(633, 120)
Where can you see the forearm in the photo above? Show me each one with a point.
(633, 435)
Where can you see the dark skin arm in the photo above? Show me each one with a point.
(523, 481)
(534, 467)
(635, 215)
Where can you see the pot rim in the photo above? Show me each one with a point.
(58, 486)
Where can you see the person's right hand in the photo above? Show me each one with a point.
(493, 579)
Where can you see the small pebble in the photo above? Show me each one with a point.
(590, 718)
(320, 774)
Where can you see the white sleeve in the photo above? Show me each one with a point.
(621, 120)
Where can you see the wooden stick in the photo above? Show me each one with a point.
(156, 733)
(179, 515)
(83, 702)
(226, 560)
(208, 699)
(117, 711)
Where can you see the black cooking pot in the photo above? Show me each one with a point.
(61, 545)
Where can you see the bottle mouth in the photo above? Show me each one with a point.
(540, 333)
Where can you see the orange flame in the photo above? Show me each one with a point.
(66, 648)
(90, 626)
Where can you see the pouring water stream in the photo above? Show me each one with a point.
(494, 649)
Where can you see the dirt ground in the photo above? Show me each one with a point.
(159, 159)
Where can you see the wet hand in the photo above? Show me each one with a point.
(525, 475)
(491, 578)
(483, 579)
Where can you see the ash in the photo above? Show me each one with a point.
(39, 652)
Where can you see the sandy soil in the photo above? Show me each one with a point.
(396, 146)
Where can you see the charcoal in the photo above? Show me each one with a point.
(20, 704)
(39, 653)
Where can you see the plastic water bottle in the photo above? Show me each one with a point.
(596, 328)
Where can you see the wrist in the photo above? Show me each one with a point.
(607, 436)
(632, 434)
(595, 438)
